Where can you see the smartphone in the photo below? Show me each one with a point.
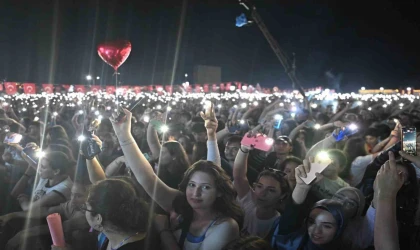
(316, 167)
(13, 138)
(409, 140)
(259, 141)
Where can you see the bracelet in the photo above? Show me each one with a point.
(245, 152)
(164, 230)
(128, 142)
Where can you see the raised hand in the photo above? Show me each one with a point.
(209, 117)
(302, 170)
(122, 128)
(388, 180)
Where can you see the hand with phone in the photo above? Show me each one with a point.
(258, 141)
(303, 174)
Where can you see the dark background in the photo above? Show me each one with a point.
(346, 44)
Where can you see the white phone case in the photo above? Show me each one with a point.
(316, 167)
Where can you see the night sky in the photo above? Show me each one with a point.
(346, 44)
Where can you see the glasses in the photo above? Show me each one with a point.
(345, 201)
(83, 207)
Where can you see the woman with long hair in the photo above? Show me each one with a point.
(205, 200)
(170, 158)
(57, 135)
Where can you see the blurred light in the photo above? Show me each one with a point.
(159, 107)
(97, 112)
(81, 138)
(219, 106)
(164, 128)
(293, 109)
(269, 141)
(100, 117)
(363, 88)
(353, 126)
(323, 156)
(255, 103)
(36, 118)
(314, 105)
(232, 88)
(292, 115)
(146, 118)
(381, 88)
(281, 104)
(40, 154)
(97, 78)
(317, 126)
(242, 122)
(243, 105)
(186, 75)
(369, 108)
(55, 113)
(278, 117)
(359, 103)
(88, 77)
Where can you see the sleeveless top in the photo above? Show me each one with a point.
(188, 241)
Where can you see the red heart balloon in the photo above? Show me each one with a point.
(114, 53)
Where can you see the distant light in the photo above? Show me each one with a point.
(243, 105)
(408, 89)
(232, 88)
(55, 113)
(36, 118)
(317, 126)
(219, 106)
(359, 103)
(255, 103)
(314, 105)
(381, 88)
(81, 138)
(96, 112)
(369, 108)
(363, 88)
(97, 78)
(186, 75)
(88, 77)
(80, 112)
(100, 117)
(242, 122)
(146, 118)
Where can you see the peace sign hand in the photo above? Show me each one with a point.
(209, 117)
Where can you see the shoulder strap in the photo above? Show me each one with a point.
(184, 231)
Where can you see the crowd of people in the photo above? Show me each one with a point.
(172, 171)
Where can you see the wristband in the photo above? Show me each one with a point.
(245, 152)
(127, 142)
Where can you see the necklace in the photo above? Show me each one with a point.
(122, 242)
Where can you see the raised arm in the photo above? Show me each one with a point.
(210, 122)
(94, 167)
(389, 181)
(240, 169)
(140, 166)
(114, 166)
(153, 141)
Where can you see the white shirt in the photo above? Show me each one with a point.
(252, 225)
(358, 168)
(63, 188)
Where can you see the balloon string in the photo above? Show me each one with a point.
(116, 87)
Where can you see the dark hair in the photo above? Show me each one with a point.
(336, 209)
(288, 159)
(224, 205)
(188, 140)
(339, 156)
(198, 128)
(353, 148)
(59, 161)
(116, 201)
(234, 139)
(200, 151)
(248, 243)
(58, 135)
(284, 185)
(372, 132)
(176, 150)
(185, 115)
(383, 131)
